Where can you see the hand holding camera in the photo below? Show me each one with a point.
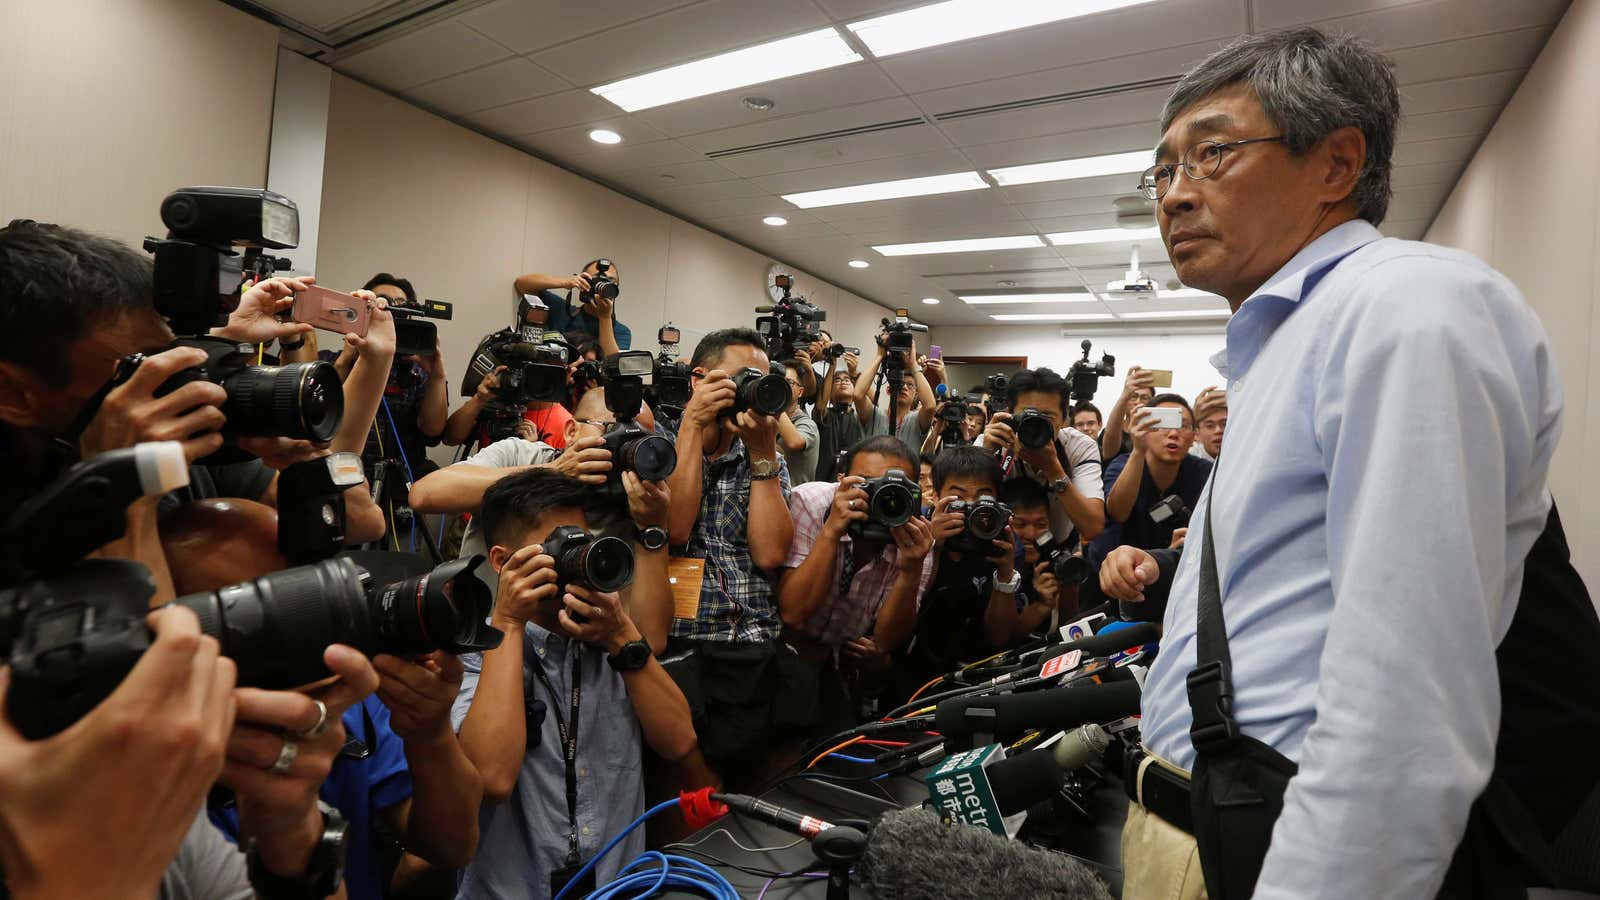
(585, 459)
(488, 387)
(132, 413)
(759, 433)
(419, 693)
(379, 342)
(849, 506)
(147, 754)
(1139, 381)
(255, 320)
(999, 435)
(527, 580)
(711, 396)
(913, 538)
(597, 617)
(648, 501)
(1046, 589)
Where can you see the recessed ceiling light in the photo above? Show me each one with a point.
(821, 49)
(1082, 167)
(889, 190)
(931, 301)
(958, 20)
(1053, 317)
(988, 299)
(1016, 242)
(759, 104)
(774, 220)
(605, 136)
(1104, 236)
(1180, 314)
(859, 264)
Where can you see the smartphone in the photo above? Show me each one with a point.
(1169, 417)
(935, 351)
(1163, 377)
(331, 311)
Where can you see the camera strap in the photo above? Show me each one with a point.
(567, 728)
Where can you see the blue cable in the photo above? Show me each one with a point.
(411, 542)
(587, 867)
(675, 873)
(855, 759)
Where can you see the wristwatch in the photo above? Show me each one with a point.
(291, 345)
(1009, 587)
(763, 469)
(323, 874)
(653, 538)
(631, 658)
(1060, 485)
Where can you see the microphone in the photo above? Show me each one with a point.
(1080, 746)
(912, 853)
(1047, 710)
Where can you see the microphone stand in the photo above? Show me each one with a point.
(840, 848)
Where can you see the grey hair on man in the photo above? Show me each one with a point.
(1310, 83)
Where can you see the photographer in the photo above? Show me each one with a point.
(1137, 389)
(797, 432)
(852, 592)
(915, 395)
(1065, 461)
(553, 717)
(1042, 600)
(587, 313)
(546, 420)
(415, 393)
(844, 416)
(730, 509)
(1210, 422)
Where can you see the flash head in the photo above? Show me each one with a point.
(242, 217)
(628, 364)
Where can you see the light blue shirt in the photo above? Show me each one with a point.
(522, 840)
(1391, 422)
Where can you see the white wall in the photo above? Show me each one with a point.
(1185, 354)
(1529, 205)
(107, 105)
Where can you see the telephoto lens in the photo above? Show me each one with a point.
(304, 400)
(1034, 429)
(276, 627)
(760, 392)
(892, 500)
(598, 563)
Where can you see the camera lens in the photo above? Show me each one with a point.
(986, 522)
(601, 564)
(300, 400)
(765, 394)
(1035, 431)
(446, 609)
(893, 504)
(650, 455)
(1073, 569)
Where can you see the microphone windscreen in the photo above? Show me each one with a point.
(1062, 707)
(1106, 643)
(1020, 781)
(912, 855)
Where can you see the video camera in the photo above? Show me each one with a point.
(995, 386)
(892, 500)
(72, 628)
(984, 521)
(1083, 379)
(897, 339)
(790, 322)
(197, 279)
(669, 382)
(414, 335)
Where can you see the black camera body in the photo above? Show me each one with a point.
(598, 563)
(633, 448)
(892, 500)
(837, 351)
(602, 283)
(414, 335)
(898, 339)
(995, 386)
(763, 393)
(1065, 558)
(790, 322)
(984, 521)
(1083, 379)
(1034, 429)
(198, 271)
(535, 371)
(311, 509)
(1171, 509)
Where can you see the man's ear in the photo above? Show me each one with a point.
(497, 557)
(1345, 153)
(569, 431)
(20, 397)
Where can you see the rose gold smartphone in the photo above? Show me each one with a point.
(331, 311)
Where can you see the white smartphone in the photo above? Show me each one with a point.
(1170, 417)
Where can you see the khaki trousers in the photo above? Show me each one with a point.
(1159, 860)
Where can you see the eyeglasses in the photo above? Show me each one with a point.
(598, 423)
(1198, 163)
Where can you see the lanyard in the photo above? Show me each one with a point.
(568, 730)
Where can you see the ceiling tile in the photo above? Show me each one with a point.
(906, 141)
(1492, 89)
(1432, 21)
(1090, 255)
(794, 230)
(958, 209)
(852, 10)
(1133, 107)
(1507, 51)
(1107, 186)
(1122, 33)
(1114, 139)
(941, 263)
(1104, 207)
(422, 56)
(936, 163)
(1451, 123)
(503, 82)
(682, 174)
(1427, 173)
(529, 25)
(1412, 230)
(572, 146)
(567, 108)
(786, 128)
(1409, 153)
(680, 36)
(324, 15)
(1092, 75)
(754, 207)
(725, 114)
(668, 193)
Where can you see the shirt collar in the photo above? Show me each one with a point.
(1263, 311)
(735, 454)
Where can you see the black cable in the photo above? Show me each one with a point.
(719, 861)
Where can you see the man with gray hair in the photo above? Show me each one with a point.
(1352, 666)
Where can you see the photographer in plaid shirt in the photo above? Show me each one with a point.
(730, 508)
(843, 596)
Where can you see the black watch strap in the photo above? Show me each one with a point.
(632, 657)
(323, 874)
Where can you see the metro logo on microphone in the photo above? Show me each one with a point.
(960, 787)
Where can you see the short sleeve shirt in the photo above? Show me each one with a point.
(505, 454)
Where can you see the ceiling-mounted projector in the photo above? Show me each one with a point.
(1134, 283)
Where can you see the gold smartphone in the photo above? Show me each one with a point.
(1163, 377)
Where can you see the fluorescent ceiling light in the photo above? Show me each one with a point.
(1104, 236)
(1181, 314)
(1054, 317)
(958, 20)
(1188, 292)
(1082, 167)
(605, 136)
(1017, 242)
(821, 49)
(859, 264)
(889, 190)
(1028, 298)
(931, 301)
(774, 221)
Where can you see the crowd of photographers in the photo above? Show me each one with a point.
(659, 572)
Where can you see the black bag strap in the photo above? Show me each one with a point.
(1211, 682)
